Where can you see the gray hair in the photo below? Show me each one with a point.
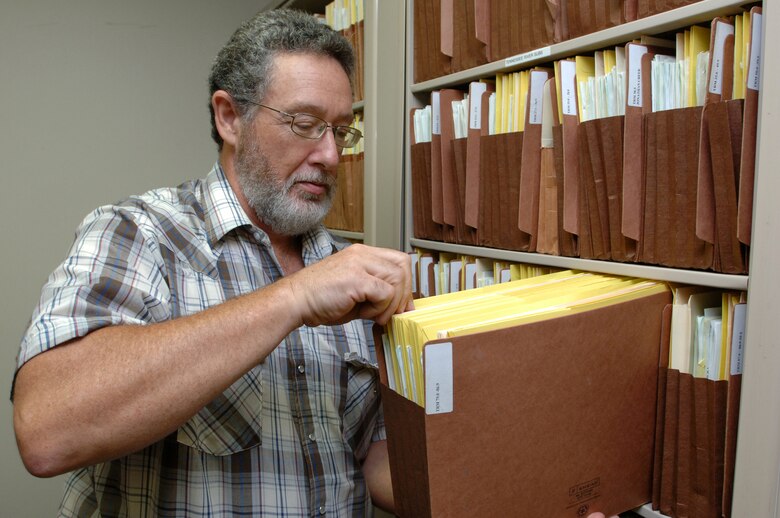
(244, 66)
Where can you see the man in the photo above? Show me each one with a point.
(200, 350)
(198, 353)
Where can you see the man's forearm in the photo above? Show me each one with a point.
(122, 388)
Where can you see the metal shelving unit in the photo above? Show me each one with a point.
(757, 474)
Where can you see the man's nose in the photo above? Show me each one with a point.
(327, 153)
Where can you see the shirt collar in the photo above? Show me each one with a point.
(224, 213)
(223, 210)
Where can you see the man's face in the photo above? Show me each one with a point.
(289, 181)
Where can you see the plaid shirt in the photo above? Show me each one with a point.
(288, 438)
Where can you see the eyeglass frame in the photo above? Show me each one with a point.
(325, 126)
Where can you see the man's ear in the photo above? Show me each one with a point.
(226, 117)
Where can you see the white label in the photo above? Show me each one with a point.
(754, 67)
(436, 103)
(475, 108)
(722, 31)
(738, 339)
(569, 87)
(425, 264)
(528, 56)
(415, 259)
(635, 53)
(438, 378)
(536, 96)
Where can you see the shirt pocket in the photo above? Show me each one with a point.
(232, 422)
(362, 402)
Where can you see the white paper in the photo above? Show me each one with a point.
(438, 378)
(389, 362)
(399, 358)
(455, 269)
(412, 375)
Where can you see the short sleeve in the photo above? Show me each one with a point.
(111, 275)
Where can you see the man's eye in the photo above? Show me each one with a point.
(304, 125)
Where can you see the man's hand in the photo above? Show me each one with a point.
(358, 282)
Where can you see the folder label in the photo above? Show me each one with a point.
(475, 113)
(568, 87)
(438, 378)
(538, 78)
(738, 339)
(436, 122)
(754, 70)
(528, 56)
(722, 30)
(636, 52)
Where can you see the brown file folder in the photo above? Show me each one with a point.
(464, 234)
(530, 165)
(429, 60)
(500, 157)
(669, 229)
(448, 182)
(473, 153)
(518, 26)
(601, 193)
(587, 16)
(637, 106)
(552, 419)
(693, 469)
(748, 163)
(651, 7)
(469, 50)
(719, 159)
(346, 211)
(567, 242)
(423, 225)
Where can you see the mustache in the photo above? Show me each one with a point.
(313, 176)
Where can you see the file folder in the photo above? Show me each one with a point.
(530, 162)
(551, 419)
(429, 60)
(500, 156)
(570, 143)
(448, 180)
(669, 229)
(748, 163)
(587, 16)
(469, 20)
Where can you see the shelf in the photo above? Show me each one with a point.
(703, 11)
(346, 234)
(699, 278)
(647, 512)
(358, 106)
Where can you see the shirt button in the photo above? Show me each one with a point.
(322, 509)
(312, 438)
(301, 369)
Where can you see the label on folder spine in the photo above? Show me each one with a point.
(526, 57)
(754, 67)
(438, 378)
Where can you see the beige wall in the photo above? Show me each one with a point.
(98, 99)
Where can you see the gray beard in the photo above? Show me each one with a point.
(272, 199)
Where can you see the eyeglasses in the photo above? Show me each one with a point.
(308, 126)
